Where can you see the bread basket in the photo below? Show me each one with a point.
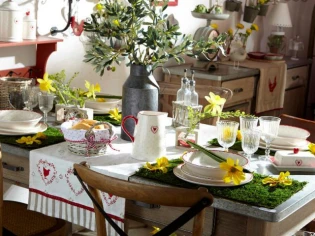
(91, 142)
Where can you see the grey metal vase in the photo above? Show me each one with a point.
(140, 93)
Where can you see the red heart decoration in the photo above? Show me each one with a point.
(154, 129)
(109, 198)
(298, 162)
(295, 150)
(47, 171)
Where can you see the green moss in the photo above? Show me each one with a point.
(106, 118)
(253, 193)
(54, 136)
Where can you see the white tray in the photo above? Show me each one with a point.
(293, 168)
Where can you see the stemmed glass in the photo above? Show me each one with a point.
(250, 142)
(46, 102)
(30, 97)
(269, 126)
(248, 123)
(227, 131)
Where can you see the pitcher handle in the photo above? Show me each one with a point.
(125, 130)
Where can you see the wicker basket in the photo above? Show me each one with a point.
(90, 142)
(12, 84)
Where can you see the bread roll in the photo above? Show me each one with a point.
(86, 124)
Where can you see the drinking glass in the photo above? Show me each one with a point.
(269, 126)
(16, 96)
(250, 142)
(248, 123)
(46, 102)
(31, 97)
(227, 131)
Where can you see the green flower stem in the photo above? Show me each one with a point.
(62, 97)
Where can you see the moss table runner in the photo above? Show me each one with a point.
(253, 193)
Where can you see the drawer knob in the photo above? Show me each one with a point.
(13, 168)
(238, 90)
(295, 77)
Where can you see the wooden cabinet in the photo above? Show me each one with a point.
(295, 92)
(44, 47)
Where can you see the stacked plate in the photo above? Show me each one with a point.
(199, 168)
(20, 122)
(289, 137)
(103, 106)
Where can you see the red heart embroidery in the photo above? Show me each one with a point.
(154, 129)
(47, 171)
(70, 177)
(109, 198)
(298, 162)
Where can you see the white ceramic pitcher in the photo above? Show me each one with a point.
(149, 135)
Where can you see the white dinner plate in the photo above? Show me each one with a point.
(280, 147)
(104, 111)
(186, 171)
(207, 182)
(293, 168)
(40, 127)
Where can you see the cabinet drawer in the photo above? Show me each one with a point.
(243, 89)
(15, 168)
(296, 77)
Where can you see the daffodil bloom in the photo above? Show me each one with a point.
(101, 100)
(230, 32)
(254, 27)
(157, 229)
(92, 89)
(248, 32)
(261, 1)
(311, 147)
(282, 179)
(40, 135)
(234, 171)
(114, 114)
(116, 22)
(239, 135)
(99, 6)
(227, 133)
(215, 103)
(214, 26)
(28, 140)
(45, 84)
(161, 164)
(240, 26)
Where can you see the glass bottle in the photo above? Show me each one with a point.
(193, 94)
(183, 89)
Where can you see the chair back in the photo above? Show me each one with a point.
(301, 123)
(170, 196)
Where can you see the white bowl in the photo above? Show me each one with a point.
(287, 131)
(19, 119)
(103, 106)
(201, 165)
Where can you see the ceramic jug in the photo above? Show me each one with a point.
(149, 135)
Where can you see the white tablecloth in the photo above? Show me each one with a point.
(55, 190)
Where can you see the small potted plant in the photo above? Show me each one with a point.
(263, 7)
(233, 5)
(276, 43)
(250, 12)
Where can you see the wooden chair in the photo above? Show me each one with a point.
(15, 219)
(176, 197)
(301, 123)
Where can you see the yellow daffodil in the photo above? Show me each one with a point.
(234, 171)
(45, 84)
(114, 114)
(92, 89)
(311, 147)
(116, 22)
(248, 31)
(261, 1)
(101, 100)
(230, 32)
(215, 103)
(239, 135)
(40, 135)
(28, 140)
(227, 133)
(157, 229)
(214, 26)
(283, 178)
(99, 6)
(254, 27)
(161, 164)
(240, 26)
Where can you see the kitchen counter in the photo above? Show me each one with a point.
(301, 62)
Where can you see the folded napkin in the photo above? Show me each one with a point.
(289, 158)
(271, 84)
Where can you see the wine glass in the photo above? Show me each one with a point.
(248, 123)
(46, 102)
(250, 142)
(269, 126)
(227, 131)
(32, 97)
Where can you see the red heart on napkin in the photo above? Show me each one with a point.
(298, 162)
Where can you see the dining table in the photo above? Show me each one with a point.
(55, 191)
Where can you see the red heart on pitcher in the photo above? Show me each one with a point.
(298, 162)
(154, 129)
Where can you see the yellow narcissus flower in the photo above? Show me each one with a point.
(230, 32)
(28, 140)
(239, 135)
(248, 31)
(101, 100)
(240, 26)
(234, 171)
(114, 114)
(215, 103)
(282, 179)
(157, 229)
(40, 135)
(99, 6)
(116, 22)
(254, 27)
(161, 164)
(214, 26)
(45, 84)
(92, 89)
(261, 1)
(311, 147)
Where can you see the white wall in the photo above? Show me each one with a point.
(69, 55)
